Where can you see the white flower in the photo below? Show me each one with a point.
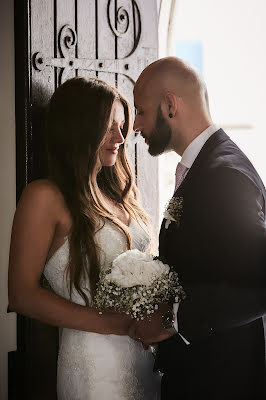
(136, 284)
(168, 218)
(134, 268)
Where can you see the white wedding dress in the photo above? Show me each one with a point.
(92, 366)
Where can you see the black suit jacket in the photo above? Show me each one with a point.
(219, 252)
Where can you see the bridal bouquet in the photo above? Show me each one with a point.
(136, 284)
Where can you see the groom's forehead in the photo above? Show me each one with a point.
(140, 86)
(136, 92)
(141, 95)
(146, 90)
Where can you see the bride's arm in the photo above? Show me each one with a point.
(34, 226)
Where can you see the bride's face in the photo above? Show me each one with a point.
(114, 137)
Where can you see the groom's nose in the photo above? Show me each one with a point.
(137, 127)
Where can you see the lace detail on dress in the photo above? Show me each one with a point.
(100, 367)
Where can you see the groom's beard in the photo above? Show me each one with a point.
(160, 135)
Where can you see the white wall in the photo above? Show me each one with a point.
(234, 63)
(234, 67)
(7, 182)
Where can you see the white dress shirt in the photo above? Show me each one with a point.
(188, 158)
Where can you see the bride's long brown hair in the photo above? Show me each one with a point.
(78, 120)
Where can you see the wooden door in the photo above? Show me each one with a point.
(54, 41)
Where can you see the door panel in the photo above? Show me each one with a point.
(57, 40)
(106, 42)
(86, 32)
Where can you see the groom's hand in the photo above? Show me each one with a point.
(150, 330)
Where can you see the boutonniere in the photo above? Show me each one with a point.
(173, 211)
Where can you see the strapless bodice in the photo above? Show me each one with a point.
(111, 241)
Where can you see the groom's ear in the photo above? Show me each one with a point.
(170, 105)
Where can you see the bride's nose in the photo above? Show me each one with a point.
(117, 136)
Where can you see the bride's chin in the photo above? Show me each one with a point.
(109, 163)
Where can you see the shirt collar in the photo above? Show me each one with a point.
(193, 149)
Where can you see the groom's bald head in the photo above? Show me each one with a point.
(174, 75)
(171, 104)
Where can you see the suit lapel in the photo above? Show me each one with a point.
(201, 160)
(217, 138)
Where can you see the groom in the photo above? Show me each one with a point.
(211, 344)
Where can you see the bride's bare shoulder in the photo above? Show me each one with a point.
(43, 185)
(43, 193)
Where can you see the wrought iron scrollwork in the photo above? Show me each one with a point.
(67, 41)
(39, 61)
(120, 25)
(123, 17)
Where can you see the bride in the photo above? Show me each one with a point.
(72, 225)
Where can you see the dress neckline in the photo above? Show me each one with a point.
(127, 226)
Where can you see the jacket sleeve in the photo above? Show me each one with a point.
(230, 235)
